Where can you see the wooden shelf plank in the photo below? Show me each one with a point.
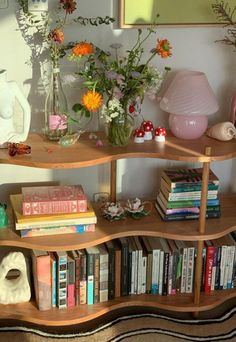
(151, 225)
(82, 313)
(51, 155)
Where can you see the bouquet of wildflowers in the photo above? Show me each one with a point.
(115, 83)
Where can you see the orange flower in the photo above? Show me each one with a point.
(163, 48)
(82, 49)
(92, 100)
(56, 35)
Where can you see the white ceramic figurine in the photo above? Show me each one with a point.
(9, 92)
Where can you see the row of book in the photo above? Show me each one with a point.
(130, 266)
(179, 197)
(52, 210)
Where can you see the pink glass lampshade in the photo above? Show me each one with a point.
(189, 100)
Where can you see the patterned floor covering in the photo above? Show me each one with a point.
(149, 327)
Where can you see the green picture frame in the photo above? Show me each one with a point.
(141, 13)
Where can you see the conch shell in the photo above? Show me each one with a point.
(222, 131)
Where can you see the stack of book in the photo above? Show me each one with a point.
(180, 194)
(49, 210)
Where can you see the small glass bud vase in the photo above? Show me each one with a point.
(55, 108)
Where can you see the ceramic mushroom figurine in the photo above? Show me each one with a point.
(139, 136)
(148, 128)
(160, 134)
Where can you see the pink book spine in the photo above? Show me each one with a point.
(54, 207)
(209, 266)
(42, 280)
(70, 295)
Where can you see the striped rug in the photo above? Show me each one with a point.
(148, 327)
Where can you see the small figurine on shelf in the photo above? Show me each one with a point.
(136, 208)
(113, 211)
(160, 134)
(148, 129)
(139, 136)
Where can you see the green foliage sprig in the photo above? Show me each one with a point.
(226, 14)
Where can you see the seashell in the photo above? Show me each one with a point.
(223, 131)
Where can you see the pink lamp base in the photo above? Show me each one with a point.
(188, 126)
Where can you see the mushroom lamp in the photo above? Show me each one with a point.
(189, 100)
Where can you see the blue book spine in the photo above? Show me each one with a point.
(54, 283)
(90, 289)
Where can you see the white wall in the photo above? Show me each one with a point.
(193, 48)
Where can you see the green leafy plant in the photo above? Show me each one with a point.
(226, 15)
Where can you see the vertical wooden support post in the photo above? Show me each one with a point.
(202, 223)
(113, 168)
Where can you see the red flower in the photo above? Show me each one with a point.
(56, 35)
(68, 5)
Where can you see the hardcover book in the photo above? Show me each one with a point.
(41, 265)
(17, 204)
(103, 276)
(53, 199)
(70, 281)
(111, 269)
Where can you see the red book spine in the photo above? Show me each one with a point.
(208, 269)
(70, 295)
(54, 207)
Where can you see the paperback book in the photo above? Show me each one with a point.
(184, 216)
(186, 203)
(187, 176)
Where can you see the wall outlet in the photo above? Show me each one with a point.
(101, 197)
(37, 5)
(4, 4)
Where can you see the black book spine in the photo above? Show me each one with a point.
(124, 270)
(165, 274)
(111, 274)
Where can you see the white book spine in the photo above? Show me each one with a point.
(161, 270)
(140, 271)
(190, 270)
(223, 265)
(184, 270)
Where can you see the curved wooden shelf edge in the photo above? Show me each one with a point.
(28, 312)
(51, 155)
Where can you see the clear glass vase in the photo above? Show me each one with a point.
(56, 108)
(119, 130)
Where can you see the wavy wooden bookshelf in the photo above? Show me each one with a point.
(51, 155)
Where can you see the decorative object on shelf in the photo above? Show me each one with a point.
(113, 211)
(148, 130)
(226, 15)
(56, 109)
(120, 128)
(14, 290)
(189, 100)
(47, 28)
(18, 148)
(232, 114)
(223, 131)
(160, 134)
(117, 83)
(9, 93)
(139, 136)
(70, 139)
(3, 215)
(136, 208)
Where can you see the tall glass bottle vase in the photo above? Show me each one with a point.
(55, 108)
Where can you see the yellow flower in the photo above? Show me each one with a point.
(163, 48)
(92, 100)
(82, 49)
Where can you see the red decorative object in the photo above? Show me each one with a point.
(160, 133)
(139, 135)
(148, 128)
(18, 148)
